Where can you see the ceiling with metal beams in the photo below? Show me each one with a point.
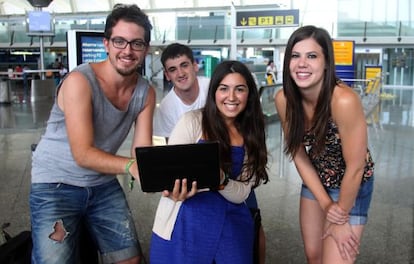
(13, 7)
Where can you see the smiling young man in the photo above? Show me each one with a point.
(189, 90)
(75, 164)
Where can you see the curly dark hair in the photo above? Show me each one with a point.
(128, 13)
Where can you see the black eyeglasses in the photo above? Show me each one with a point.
(120, 43)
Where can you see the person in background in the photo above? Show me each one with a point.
(326, 136)
(271, 72)
(62, 71)
(18, 69)
(18, 74)
(10, 72)
(25, 76)
(56, 66)
(189, 91)
(216, 226)
(75, 164)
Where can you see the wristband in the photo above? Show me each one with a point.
(225, 182)
(127, 167)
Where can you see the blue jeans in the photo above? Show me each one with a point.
(359, 213)
(57, 211)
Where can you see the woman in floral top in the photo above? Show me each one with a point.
(326, 137)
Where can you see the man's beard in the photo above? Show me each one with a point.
(127, 72)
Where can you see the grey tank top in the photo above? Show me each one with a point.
(52, 162)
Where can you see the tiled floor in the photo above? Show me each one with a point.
(389, 236)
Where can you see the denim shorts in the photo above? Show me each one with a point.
(57, 209)
(359, 213)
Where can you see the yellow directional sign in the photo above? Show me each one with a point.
(267, 18)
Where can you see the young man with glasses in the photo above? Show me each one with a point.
(75, 163)
(121, 43)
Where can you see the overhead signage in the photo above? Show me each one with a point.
(343, 52)
(267, 18)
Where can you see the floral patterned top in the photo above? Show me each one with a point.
(330, 164)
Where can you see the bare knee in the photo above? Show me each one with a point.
(313, 255)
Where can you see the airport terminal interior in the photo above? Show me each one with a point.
(383, 75)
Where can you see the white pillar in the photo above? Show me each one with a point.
(233, 34)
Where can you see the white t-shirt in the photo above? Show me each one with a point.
(271, 68)
(172, 108)
(63, 71)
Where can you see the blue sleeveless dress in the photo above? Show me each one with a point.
(209, 229)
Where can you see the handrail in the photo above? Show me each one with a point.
(21, 75)
(264, 87)
(370, 98)
(267, 94)
(27, 71)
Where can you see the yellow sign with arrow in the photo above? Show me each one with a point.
(267, 18)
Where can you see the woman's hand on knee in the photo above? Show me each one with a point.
(345, 239)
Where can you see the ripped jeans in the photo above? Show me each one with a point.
(57, 211)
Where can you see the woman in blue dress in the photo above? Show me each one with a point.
(215, 226)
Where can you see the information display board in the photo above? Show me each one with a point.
(85, 46)
(344, 55)
(39, 23)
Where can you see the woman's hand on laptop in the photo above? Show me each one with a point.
(180, 192)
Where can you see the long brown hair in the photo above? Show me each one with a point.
(295, 117)
(250, 123)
